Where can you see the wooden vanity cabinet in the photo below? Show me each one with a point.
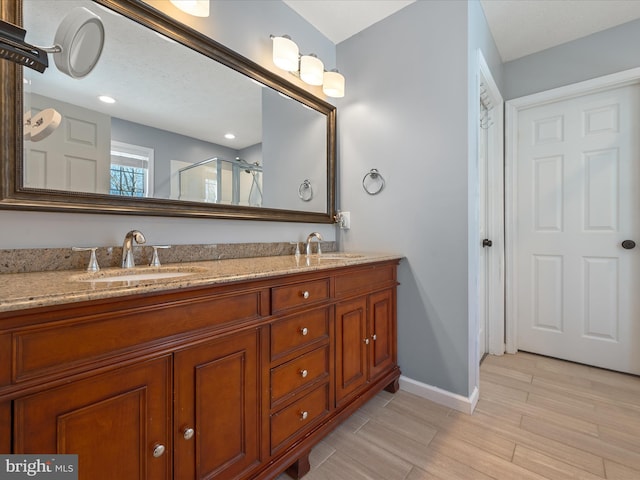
(118, 423)
(234, 381)
(365, 339)
(217, 408)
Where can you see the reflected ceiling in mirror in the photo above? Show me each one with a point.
(195, 129)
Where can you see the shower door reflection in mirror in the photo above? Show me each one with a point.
(183, 127)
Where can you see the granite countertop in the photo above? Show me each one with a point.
(28, 290)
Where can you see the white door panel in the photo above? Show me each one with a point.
(76, 156)
(577, 200)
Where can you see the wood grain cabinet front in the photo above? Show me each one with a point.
(222, 382)
(217, 408)
(297, 374)
(118, 423)
(365, 342)
(298, 417)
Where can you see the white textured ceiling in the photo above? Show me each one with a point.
(522, 27)
(519, 27)
(341, 19)
(137, 67)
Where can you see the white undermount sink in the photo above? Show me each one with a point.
(137, 274)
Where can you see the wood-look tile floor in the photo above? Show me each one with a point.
(537, 418)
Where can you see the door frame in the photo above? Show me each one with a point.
(495, 219)
(512, 109)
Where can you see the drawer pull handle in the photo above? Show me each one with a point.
(188, 433)
(304, 373)
(366, 341)
(304, 331)
(374, 337)
(305, 294)
(303, 415)
(158, 450)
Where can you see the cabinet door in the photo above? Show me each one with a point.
(216, 394)
(351, 349)
(113, 422)
(5, 426)
(382, 333)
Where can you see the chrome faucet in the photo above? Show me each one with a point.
(311, 236)
(127, 247)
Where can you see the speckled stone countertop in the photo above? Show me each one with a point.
(28, 290)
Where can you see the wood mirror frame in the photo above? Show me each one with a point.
(13, 195)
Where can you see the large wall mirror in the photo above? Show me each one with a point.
(195, 129)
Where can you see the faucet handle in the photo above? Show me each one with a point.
(155, 260)
(93, 262)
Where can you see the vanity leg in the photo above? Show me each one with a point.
(393, 387)
(301, 467)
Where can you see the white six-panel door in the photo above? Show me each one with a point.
(578, 198)
(76, 156)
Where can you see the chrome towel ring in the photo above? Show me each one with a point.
(305, 192)
(373, 183)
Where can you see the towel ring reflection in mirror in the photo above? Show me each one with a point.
(373, 183)
(305, 192)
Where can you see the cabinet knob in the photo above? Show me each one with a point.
(304, 373)
(304, 331)
(306, 294)
(158, 450)
(366, 341)
(188, 433)
(374, 337)
(303, 415)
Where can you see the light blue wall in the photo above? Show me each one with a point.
(610, 51)
(406, 112)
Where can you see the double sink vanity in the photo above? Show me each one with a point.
(227, 369)
(218, 369)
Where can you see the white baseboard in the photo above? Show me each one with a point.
(440, 396)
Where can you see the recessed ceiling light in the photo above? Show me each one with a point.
(229, 136)
(106, 99)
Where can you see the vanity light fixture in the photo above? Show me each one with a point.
(285, 53)
(197, 8)
(333, 84)
(309, 68)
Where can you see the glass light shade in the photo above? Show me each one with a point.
(311, 70)
(333, 84)
(197, 8)
(285, 54)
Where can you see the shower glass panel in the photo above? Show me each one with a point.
(218, 180)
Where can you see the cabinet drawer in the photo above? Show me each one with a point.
(365, 279)
(299, 294)
(45, 350)
(301, 371)
(299, 416)
(298, 331)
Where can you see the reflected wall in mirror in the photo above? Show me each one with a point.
(195, 129)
